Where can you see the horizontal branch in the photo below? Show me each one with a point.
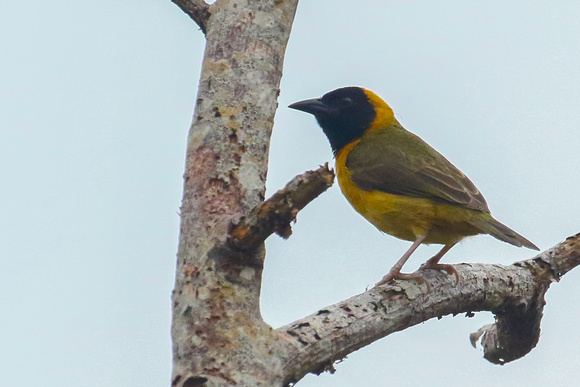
(517, 330)
(275, 214)
(514, 293)
(198, 10)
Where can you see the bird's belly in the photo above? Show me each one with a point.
(401, 217)
(406, 217)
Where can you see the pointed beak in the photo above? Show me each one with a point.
(313, 106)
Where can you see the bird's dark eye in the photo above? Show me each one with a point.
(347, 100)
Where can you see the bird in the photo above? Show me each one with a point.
(398, 182)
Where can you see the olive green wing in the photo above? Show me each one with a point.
(398, 162)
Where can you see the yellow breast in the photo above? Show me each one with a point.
(401, 216)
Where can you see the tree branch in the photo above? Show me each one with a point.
(275, 214)
(219, 337)
(517, 330)
(514, 293)
(198, 10)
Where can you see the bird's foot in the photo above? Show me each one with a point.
(442, 267)
(397, 275)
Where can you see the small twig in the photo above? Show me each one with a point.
(198, 10)
(275, 214)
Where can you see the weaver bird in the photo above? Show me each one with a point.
(398, 182)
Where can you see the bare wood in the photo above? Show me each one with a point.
(275, 214)
(198, 11)
(515, 294)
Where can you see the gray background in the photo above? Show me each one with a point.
(95, 102)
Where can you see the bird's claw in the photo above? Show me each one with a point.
(417, 276)
(396, 275)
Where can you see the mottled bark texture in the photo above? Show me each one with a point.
(515, 294)
(219, 337)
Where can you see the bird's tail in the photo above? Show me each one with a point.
(502, 232)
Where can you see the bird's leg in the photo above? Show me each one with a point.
(433, 263)
(395, 272)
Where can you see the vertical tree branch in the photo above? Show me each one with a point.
(218, 334)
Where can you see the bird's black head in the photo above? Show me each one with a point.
(344, 114)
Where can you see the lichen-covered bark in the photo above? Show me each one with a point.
(218, 335)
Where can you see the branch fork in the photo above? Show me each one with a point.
(514, 293)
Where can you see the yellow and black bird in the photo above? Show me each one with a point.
(398, 182)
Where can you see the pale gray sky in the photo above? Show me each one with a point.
(95, 102)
